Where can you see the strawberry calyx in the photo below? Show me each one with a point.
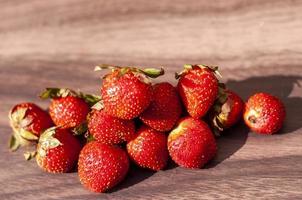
(81, 129)
(148, 72)
(47, 141)
(220, 110)
(56, 93)
(21, 136)
(99, 105)
(89, 137)
(188, 67)
(30, 155)
(51, 93)
(90, 99)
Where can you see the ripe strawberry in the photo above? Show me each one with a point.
(198, 88)
(102, 166)
(227, 110)
(28, 121)
(164, 110)
(67, 108)
(127, 91)
(57, 150)
(264, 113)
(149, 149)
(191, 144)
(109, 130)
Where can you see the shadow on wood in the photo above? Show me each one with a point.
(234, 138)
(277, 85)
(134, 176)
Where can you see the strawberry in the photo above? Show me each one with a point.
(67, 108)
(264, 113)
(226, 111)
(198, 88)
(149, 149)
(109, 130)
(164, 110)
(127, 91)
(191, 144)
(57, 150)
(28, 121)
(102, 166)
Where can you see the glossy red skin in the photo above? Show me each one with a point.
(125, 96)
(40, 118)
(110, 130)
(165, 109)
(236, 109)
(191, 144)
(102, 166)
(198, 89)
(149, 149)
(271, 113)
(62, 158)
(68, 112)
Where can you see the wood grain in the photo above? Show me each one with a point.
(257, 44)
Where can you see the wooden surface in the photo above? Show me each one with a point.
(257, 44)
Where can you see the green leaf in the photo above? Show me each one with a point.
(89, 138)
(53, 143)
(98, 106)
(188, 66)
(57, 92)
(218, 124)
(18, 115)
(41, 152)
(213, 68)
(48, 133)
(153, 72)
(50, 93)
(227, 107)
(79, 130)
(26, 122)
(30, 155)
(90, 98)
(48, 141)
(64, 92)
(27, 134)
(13, 143)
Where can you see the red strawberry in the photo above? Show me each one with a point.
(57, 150)
(164, 110)
(227, 110)
(264, 113)
(102, 166)
(127, 91)
(28, 121)
(149, 149)
(109, 130)
(198, 88)
(67, 108)
(191, 144)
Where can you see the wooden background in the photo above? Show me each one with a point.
(256, 43)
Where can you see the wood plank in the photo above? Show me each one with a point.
(257, 45)
(232, 33)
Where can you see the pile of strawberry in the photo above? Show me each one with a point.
(135, 120)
